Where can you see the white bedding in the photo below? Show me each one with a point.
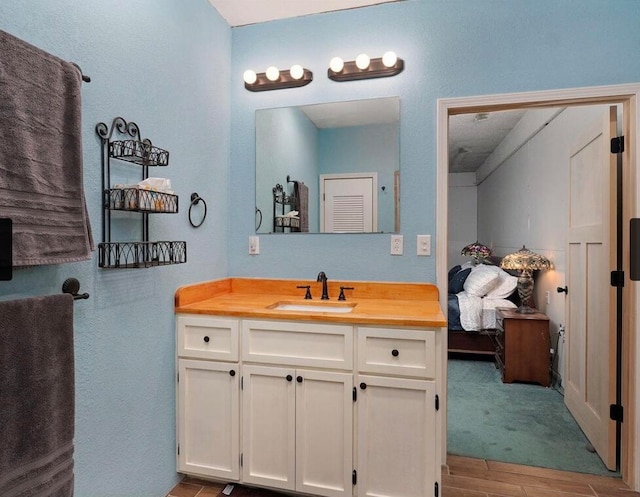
(478, 313)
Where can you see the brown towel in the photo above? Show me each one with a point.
(37, 397)
(302, 205)
(41, 185)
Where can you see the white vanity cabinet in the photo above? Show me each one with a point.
(298, 419)
(208, 397)
(325, 409)
(397, 413)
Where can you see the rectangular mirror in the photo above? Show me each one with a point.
(329, 168)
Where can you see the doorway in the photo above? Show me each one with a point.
(628, 95)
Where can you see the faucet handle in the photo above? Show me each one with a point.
(342, 289)
(307, 296)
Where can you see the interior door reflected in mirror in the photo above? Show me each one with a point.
(329, 168)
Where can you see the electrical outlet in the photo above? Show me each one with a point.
(424, 245)
(547, 297)
(396, 244)
(254, 245)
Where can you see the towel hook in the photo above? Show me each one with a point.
(72, 286)
(195, 200)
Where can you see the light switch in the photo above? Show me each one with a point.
(424, 245)
(254, 245)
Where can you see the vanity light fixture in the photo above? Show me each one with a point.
(274, 79)
(365, 68)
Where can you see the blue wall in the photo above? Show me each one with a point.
(451, 48)
(164, 64)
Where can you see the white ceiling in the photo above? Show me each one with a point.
(242, 12)
(354, 113)
(472, 137)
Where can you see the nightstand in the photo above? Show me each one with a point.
(523, 346)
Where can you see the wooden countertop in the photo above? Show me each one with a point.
(396, 304)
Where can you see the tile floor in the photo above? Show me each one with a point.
(468, 477)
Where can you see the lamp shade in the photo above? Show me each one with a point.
(477, 251)
(525, 260)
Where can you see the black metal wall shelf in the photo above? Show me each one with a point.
(135, 150)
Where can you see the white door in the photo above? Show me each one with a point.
(324, 424)
(590, 365)
(268, 434)
(208, 419)
(396, 417)
(349, 203)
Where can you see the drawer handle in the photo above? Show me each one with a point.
(232, 373)
(289, 377)
(395, 353)
(363, 385)
(206, 339)
(299, 379)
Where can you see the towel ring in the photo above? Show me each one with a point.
(195, 200)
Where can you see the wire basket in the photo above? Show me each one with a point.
(139, 152)
(140, 200)
(124, 255)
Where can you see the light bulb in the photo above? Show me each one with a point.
(249, 77)
(296, 71)
(272, 73)
(362, 61)
(336, 64)
(389, 59)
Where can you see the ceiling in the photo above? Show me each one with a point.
(354, 113)
(243, 12)
(473, 137)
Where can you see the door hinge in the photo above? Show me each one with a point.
(617, 145)
(436, 489)
(178, 449)
(616, 412)
(242, 383)
(178, 377)
(437, 402)
(354, 477)
(617, 278)
(241, 459)
(355, 394)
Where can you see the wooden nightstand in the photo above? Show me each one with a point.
(522, 346)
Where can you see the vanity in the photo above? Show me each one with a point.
(320, 397)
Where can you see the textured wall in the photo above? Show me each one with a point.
(165, 65)
(451, 48)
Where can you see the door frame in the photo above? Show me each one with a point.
(629, 96)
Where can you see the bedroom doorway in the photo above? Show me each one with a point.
(628, 96)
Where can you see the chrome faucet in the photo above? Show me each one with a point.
(323, 277)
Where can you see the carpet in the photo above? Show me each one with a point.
(513, 422)
(242, 491)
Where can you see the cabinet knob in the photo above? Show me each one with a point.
(363, 385)
(289, 377)
(299, 379)
(206, 339)
(232, 373)
(395, 353)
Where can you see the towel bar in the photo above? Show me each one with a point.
(72, 286)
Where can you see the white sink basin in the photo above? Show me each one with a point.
(319, 307)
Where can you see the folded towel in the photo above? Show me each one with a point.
(37, 397)
(41, 185)
(301, 192)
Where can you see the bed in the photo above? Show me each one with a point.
(475, 291)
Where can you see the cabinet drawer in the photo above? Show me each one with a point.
(206, 337)
(298, 344)
(397, 351)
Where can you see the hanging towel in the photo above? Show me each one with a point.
(41, 184)
(37, 399)
(301, 192)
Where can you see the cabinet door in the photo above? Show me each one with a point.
(208, 419)
(324, 438)
(396, 437)
(268, 430)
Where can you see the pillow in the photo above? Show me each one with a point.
(453, 271)
(505, 287)
(456, 283)
(482, 280)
